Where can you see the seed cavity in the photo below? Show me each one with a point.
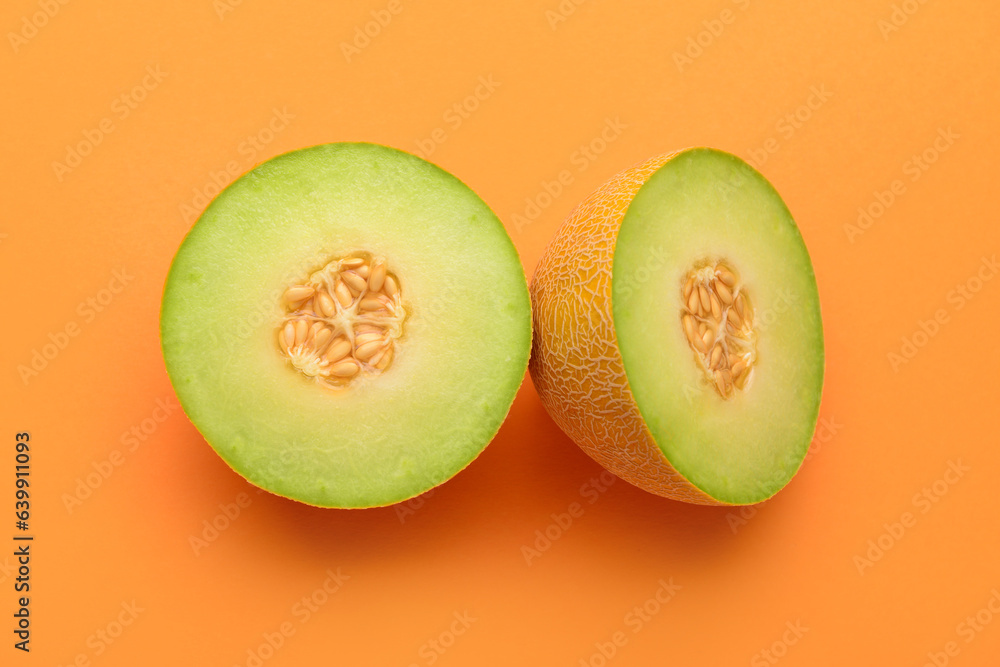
(718, 321)
(343, 322)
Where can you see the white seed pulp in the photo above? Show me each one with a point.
(718, 321)
(344, 321)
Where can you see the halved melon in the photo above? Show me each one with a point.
(347, 325)
(678, 337)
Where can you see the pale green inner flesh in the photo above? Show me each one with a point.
(708, 204)
(456, 369)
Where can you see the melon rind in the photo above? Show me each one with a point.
(575, 363)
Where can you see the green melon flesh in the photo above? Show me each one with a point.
(457, 367)
(708, 204)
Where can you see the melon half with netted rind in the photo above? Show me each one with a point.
(347, 325)
(678, 337)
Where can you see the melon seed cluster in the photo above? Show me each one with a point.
(719, 324)
(343, 321)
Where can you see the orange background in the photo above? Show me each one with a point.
(896, 427)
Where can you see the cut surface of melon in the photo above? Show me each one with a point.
(459, 328)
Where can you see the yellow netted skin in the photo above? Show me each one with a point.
(575, 363)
